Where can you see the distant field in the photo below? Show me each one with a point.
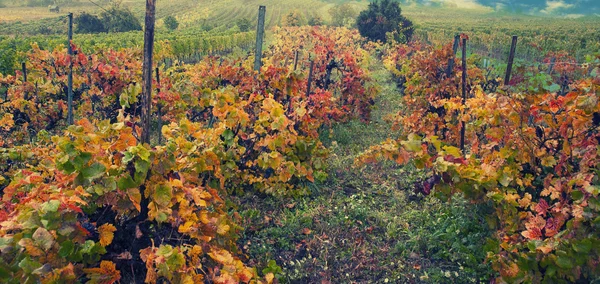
(189, 12)
(490, 31)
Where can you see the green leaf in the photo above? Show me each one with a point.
(88, 246)
(577, 195)
(228, 135)
(162, 217)
(94, 171)
(584, 246)
(28, 265)
(126, 183)
(142, 166)
(81, 160)
(50, 206)
(552, 88)
(162, 195)
(505, 179)
(43, 238)
(67, 167)
(564, 262)
(66, 248)
(128, 157)
(452, 151)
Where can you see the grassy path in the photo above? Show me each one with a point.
(365, 225)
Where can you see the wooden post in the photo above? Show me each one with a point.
(451, 60)
(330, 67)
(24, 69)
(159, 107)
(260, 33)
(464, 92)
(551, 68)
(70, 78)
(310, 77)
(511, 58)
(296, 57)
(147, 69)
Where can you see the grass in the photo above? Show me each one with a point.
(366, 225)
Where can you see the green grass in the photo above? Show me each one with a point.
(366, 225)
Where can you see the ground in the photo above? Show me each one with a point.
(366, 225)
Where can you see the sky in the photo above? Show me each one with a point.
(572, 8)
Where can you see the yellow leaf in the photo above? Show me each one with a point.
(107, 273)
(107, 233)
(548, 161)
(222, 229)
(269, 277)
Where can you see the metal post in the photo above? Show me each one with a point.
(260, 33)
(511, 58)
(147, 69)
(310, 77)
(70, 78)
(464, 92)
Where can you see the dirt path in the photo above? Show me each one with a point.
(363, 225)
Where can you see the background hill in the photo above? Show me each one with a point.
(570, 8)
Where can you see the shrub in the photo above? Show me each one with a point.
(342, 15)
(382, 18)
(315, 20)
(244, 24)
(293, 19)
(171, 23)
(89, 24)
(118, 19)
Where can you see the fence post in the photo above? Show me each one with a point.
(260, 33)
(24, 69)
(511, 58)
(147, 69)
(310, 77)
(159, 107)
(464, 92)
(451, 60)
(296, 57)
(70, 79)
(551, 68)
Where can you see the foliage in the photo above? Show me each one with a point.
(88, 23)
(243, 24)
(532, 153)
(117, 20)
(315, 20)
(342, 15)
(171, 23)
(72, 204)
(383, 17)
(293, 19)
(55, 220)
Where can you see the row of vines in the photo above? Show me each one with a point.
(89, 202)
(532, 152)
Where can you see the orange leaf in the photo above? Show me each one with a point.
(107, 273)
(107, 233)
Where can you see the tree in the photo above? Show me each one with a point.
(383, 17)
(171, 23)
(89, 24)
(244, 24)
(315, 20)
(293, 19)
(117, 19)
(342, 15)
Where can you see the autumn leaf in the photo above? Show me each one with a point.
(107, 273)
(106, 232)
(43, 239)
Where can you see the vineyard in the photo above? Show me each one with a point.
(467, 155)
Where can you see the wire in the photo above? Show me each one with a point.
(98, 6)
